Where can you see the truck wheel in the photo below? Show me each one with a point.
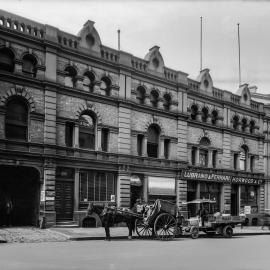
(194, 232)
(228, 231)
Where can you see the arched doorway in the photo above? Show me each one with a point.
(21, 186)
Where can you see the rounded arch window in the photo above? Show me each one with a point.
(205, 141)
(89, 81)
(90, 40)
(206, 83)
(243, 158)
(140, 95)
(154, 98)
(252, 126)
(235, 122)
(204, 114)
(214, 117)
(16, 125)
(194, 112)
(167, 102)
(244, 124)
(153, 141)
(6, 60)
(29, 65)
(70, 76)
(87, 131)
(155, 63)
(106, 85)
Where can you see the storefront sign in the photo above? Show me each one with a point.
(247, 209)
(161, 186)
(220, 178)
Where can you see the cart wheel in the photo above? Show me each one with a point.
(194, 232)
(228, 231)
(142, 229)
(165, 227)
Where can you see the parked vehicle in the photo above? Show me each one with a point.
(210, 223)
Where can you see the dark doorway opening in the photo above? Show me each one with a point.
(21, 186)
(136, 192)
(234, 200)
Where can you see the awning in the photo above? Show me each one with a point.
(135, 180)
(161, 186)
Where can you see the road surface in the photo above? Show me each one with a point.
(239, 253)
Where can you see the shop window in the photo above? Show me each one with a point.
(96, 186)
(16, 125)
(252, 163)
(211, 191)
(214, 159)
(140, 138)
(70, 77)
(106, 85)
(167, 102)
(204, 115)
(249, 195)
(167, 148)
(193, 155)
(89, 81)
(243, 158)
(87, 131)
(154, 98)
(194, 112)
(203, 157)
(29, 65)
(105, 139)
(235, 122)
(69, 134)
(214, 117)
(140, 95)
(252, 127)
(152, 141)
(6, 60)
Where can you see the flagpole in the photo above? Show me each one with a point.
(118, 31)
(239, 56)
(201, 46)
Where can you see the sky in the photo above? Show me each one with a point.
(174, 26)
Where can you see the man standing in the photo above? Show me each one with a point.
(8, 211)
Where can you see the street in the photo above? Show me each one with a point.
(242, 252)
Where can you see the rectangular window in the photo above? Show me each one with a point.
(104, 139)
(235, 157)
(96, 186)
(69, 134)
(140, 144)
(193, 155)
(166, 148)
(252, 163)
(203, 158)
(214, 159)
(87, 140)
(249, 195)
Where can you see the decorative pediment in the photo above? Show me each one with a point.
(244, 92)
(89, 37)
(155, 60)
(206, 82)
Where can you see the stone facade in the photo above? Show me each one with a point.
(129, 98)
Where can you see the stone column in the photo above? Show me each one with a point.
(18, 67)
(98, 141)
(147, 100)
(123, 189)
(76, 189)
(145, 188)
(161, 148)
(209, 119)
(210, 159)
(79, 83)
(199, 117)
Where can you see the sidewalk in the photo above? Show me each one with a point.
(78, 234)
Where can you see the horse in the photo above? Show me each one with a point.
(109, 216)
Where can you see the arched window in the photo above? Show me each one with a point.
(152, 141)
(29, 65)
(194, 112)
(70, 77)
(203, 153)
(243, 158)
(235, 122)
(167, 102)
(16, 119)
(89, 81)
(87, 131)
(214, 117)
(106, 85)
(252, 126)
(154, 98)
(204, 114)
(140, 95)
(244, 124)
(6, 60)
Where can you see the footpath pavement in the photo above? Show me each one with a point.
(32, 234)
(78, 234)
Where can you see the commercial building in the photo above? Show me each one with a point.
(81, 122)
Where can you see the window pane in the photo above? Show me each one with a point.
(97, 187)
(16, 132)
(87, 140)
(152, 150)
(91, 187)
(69, 134)
(102, 187)
(104, 139)
(83, 186)
(110, 186)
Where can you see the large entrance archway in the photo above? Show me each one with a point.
(21, 185)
